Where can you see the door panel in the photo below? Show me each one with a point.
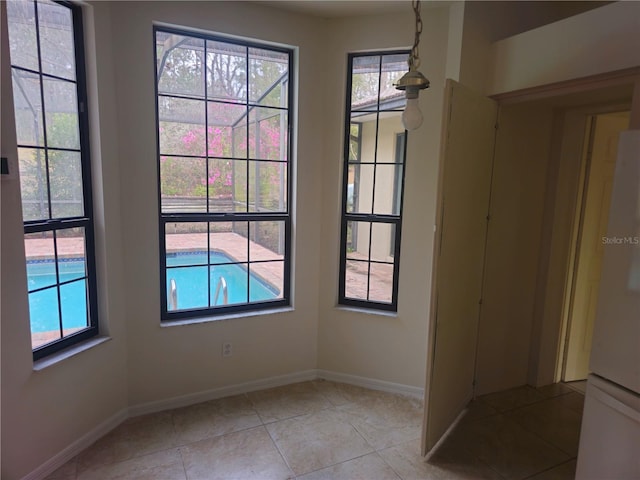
(463, 201)
(595, 216)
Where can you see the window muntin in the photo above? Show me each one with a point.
(47, 71)
(224, 122)
(374, 155)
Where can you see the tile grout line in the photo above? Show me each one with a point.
(550, 468)
(537, 402)
(284, 459)
(538, 436)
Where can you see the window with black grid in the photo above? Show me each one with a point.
(373, 179)
(224, 130)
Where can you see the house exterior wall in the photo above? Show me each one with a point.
(388, 130)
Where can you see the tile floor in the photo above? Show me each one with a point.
(324, 430)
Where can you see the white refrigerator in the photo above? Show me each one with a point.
(610, 436)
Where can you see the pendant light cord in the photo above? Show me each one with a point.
(414, 58)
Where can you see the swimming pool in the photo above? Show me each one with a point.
(191, 284)
(191, 281)
(43, 305)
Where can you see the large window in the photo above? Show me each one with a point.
(374, 153)
(49, 94)
(224, 124)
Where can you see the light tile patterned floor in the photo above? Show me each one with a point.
(323, 430)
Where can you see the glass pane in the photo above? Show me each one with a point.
(360, 192)
(351, 239)
(27, 104)
(73, 297)
(71, 253)
(386, 195)
(225, 121)
(56, 39)
(393, 67)
(267, 241)
(22, 34)
(181, 126)
(356, 274)
(220, 185)
(358, 240)
(191, 288)
(226, 72)
(239, 138)
(40, 255)
(267, 186)
(229, 284)
(367, 140)
(389, 127)
(228, 242)
(381, 282)
(266, 281)
(352, 194)
(365, 81)
(354, 142)
(268, 134)
(183, 185)
(61, 108)
(44, 316)
(180, 64)
(382, 240)
(268, 75)
(239, 185)
(65, 177)
(33, 184)
(186, 243)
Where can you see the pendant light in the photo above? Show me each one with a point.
(413, 81)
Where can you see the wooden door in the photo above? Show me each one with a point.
(601, 161)
(463, 204)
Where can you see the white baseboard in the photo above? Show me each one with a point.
(78, 446)
(372, 383)
(245, 387)
(184, 400)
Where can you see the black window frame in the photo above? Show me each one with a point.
(86, 221)
(371, 218)
(167, 315)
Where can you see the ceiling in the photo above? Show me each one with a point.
(532, 13)
(343, 8)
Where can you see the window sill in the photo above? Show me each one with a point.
(231, 316)
(72, 351)
(367, 311)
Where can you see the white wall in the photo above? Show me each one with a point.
(45, 411)
(513, 243)
(385, 347)
(166, 362)
(598, 41)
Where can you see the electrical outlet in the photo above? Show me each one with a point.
(227, 349)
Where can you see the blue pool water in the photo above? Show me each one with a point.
(192, 285)
(43, 305)
(191, 282)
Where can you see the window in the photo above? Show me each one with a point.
(50, 104)
(373, 178)
(224, 124)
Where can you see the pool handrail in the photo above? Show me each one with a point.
(173, 295)
(225, 296)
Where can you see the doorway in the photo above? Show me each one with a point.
(598, 166)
